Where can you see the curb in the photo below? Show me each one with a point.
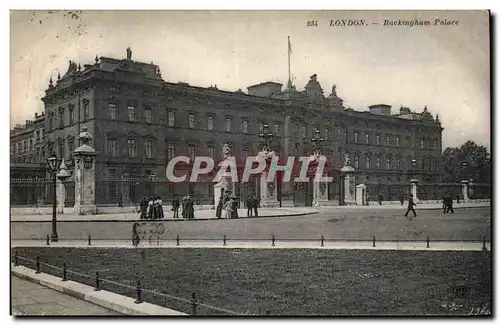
(169, 220)
(380, 245)
(106, 299)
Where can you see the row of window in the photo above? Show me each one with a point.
(112, 149)
(71, 115)
(397, 163)
(431, 143)
(65, 147)
(24, 146)
(192, 123)
(39, 157)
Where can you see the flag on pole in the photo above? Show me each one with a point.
(289, 45)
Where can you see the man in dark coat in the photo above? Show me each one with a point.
(190, 206)
(255, 205)
(411, 204)
(444, 202)
(249, 203)
(143, 205)
(380, 199)
(402, 198)
(449, 204)
(227, 197)
(175, 206)
(234, 207)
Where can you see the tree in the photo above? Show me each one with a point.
(469, 161)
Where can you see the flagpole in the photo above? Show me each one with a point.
(289, 73)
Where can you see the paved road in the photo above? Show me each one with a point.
(31, 299)
(388, 224)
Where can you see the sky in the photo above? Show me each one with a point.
(446, 68)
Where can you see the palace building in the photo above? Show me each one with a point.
(140, 121)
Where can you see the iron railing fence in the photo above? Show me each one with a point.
(136, 290)
(37, 191)
(392, 192)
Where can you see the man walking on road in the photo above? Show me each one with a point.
(449, 204)
(249, 206)
(411, 204)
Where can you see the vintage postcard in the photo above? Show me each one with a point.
(250, 163)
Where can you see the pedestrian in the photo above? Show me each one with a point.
(458, 198)
(367, 198)
(402, 198)
(255, 205)
(444, 202)
(227, 196)
(449, 205)
(150, 208)
(380, 199)
(249, 204)
(184, 208)
(218, 213)
(135, 233)
(143, 206)
(175, 206)
(411, 204)
(234, 207)
(227, 207)
(158, 208)
(190, 205)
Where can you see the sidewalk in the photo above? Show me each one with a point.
(132, 217)
(420, 245)
(398, 206)
(30, 299)
(73, 298)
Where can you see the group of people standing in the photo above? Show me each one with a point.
(252, 206)
(187, 207)
(229, 205)
(151, 208)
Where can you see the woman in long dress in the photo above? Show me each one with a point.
(158, 208)
(218, 213)
(228, 208)
(184, 208)
(150, 208)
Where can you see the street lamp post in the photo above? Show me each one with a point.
(317, 141)
(153, 179)
(54, 164)
(266, 138)
(413, 167)
(465, 165)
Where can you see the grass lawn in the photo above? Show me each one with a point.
(291, 281)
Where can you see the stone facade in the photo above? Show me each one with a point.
(27, 155)
(139, 121)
